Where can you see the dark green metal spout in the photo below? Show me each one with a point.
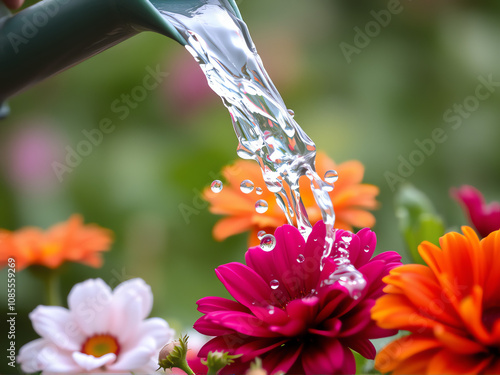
(54, 35)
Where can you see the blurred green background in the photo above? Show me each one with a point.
(393, 92)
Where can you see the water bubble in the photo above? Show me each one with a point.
(367, 248)
(261, 206)
(259, 191)
(274, 284)
(268, 242)
(331, 176)
(291, 112)
(246, 186)
(261, 234)
(301, 258)
(216, 186)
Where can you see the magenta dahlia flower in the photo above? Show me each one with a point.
(484, 217)
(287, 315)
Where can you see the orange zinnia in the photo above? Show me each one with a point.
(350, 198)
(451, 308)
(69, 241)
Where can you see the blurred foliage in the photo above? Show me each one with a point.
(418, 220)
(391, 97)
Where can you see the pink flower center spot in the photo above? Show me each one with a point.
(100, 345)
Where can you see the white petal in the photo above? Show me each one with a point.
(136, 357)
(126, 318)
(90, 303)
(42, 355)
(150, 367)
(57, 325)
(89, 362)
(158, 329)
(133, 289)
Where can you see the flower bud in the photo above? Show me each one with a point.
(174, 354)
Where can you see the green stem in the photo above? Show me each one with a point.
(51, 284)
(185, 367)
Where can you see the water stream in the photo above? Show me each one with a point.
(267, 132)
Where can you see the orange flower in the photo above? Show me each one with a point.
(451, 308)
(350, 198)
(69, 241)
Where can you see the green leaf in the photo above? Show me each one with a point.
(418, 220)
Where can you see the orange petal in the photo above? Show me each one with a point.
(357, 218)
(448, 362)
(471, 311)
(402, 351)
(230, 226)
(457, 342)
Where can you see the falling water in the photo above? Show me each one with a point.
(267, 132)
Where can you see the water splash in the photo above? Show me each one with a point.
(266, 130)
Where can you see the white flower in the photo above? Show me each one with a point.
(102, 331)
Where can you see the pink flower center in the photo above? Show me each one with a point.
(100, 345)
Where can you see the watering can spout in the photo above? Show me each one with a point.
(53, 35)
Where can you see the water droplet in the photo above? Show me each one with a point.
(261, 206)
(301, 258)
(270, 310)
(216, 186)
(259, 191)
(268, 242)
(246, 186)
(274, 284)
(291, 112)
(367, 248)
(331, 176)
(261, 234)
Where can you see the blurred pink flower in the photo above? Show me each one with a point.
(187, 89)
(102, 331)
(484, 217)
(284, 313)
(28, 156)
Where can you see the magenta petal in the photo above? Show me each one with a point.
(206, 326)
(244, 323)
(486, 218)
(357, 321)
(210, 304)
(312, 255)
(375, 332)
(226, 343)
(271, 315)
(280, 361)
(349, 366)
(258, 347)
(292, 328)
(326, 357)
(291, 272)
(362, 346)
(244, 284)
(367, 245)
(329, 328)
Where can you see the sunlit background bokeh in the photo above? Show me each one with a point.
(392, 94)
